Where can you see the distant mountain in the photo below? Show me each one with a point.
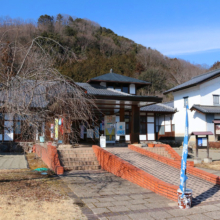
(99, 49)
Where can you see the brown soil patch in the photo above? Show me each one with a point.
(215, 165)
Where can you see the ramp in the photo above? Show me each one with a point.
(163, 175)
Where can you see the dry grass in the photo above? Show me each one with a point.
(27, 194)
(35, 162)
(215, 165)
(22, 209)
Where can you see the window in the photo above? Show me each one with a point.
(125, 89)
(165, 124)
(162, 130)
(143, 120)
(127, 124)
(185, 101)
(1, 124)
(168, 119)
(147, 125)
(110, 87)
(143, 128)
(127, 127)
(215, 99)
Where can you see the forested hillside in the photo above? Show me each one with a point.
(98, 49)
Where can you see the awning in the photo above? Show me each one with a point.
(216, 121)
(206, 109)
(201, 133)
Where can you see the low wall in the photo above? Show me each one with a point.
(125, 170)
(177, 164)
(170, 151)
(50, 157)
(214, 144)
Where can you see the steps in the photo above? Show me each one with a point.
(159, 150)
(78, 159)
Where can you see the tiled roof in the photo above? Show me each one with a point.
(24, 94)
(195, 80)
(94, 89)
(171, 104)
(114, 77)
(159, 107)
(33, 93)
(209, 109)
(100, 91)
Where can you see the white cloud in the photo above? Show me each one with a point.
(180, 42)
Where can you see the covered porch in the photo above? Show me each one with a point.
(113, 111)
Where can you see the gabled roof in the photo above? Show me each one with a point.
(206, 109)
(159, 107)
(114, 77)
(195, 81)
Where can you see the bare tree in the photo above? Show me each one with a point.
(34, 95)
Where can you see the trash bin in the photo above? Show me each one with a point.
(102, 141)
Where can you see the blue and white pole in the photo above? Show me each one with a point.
(185, 195)
(183, 176)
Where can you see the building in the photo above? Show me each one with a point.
(120, 114)
(144, 117)
(201, 94)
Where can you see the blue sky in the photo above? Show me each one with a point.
(186, 29)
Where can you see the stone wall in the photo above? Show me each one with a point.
(18, 147)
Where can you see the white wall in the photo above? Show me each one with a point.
(208, 89)
(201, 94)
(197, 121)
(132, 88)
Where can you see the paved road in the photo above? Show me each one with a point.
(109, 197)
(12, 161)
(202, 189)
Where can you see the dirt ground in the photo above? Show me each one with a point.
(27, 194)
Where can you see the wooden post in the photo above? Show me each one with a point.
(135, 124)
(122, 114)
(196, 145)
(207, 146)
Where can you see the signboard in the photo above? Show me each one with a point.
(102, 126)
(217, 129)
(52, 130)
(96, 132)
(110, 125)
(102, 141)
(120, 128)
(109, 128)
(56, 129)
(202, 142)
(110, 119)
(90, 133)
